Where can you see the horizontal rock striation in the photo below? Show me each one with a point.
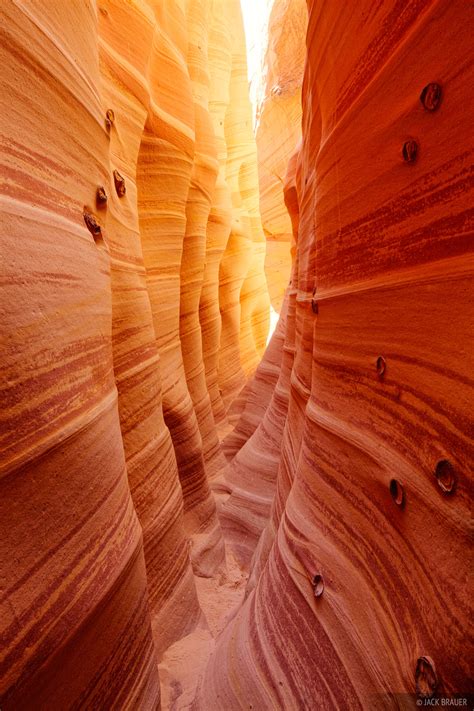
(278, 131)
(135, 307)
(75, 623)
(357, 596)
(184, 514)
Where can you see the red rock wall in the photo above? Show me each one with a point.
(132, 325)
(73, 571)
(127, 161)
(254, 447)
(358, 594)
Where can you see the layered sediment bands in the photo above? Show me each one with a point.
(362, 568)
(121, 143)
(220, 215)
(135, 312)
(258, 392)
(149, 452)
(243, 294)
(72, 566)
(165, 168)
(201, 189)
(255, 461)
(278, 132)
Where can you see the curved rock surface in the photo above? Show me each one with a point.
(75, 624)
(359, 578)
(315, 555)
(130, 206)
(149, 452)
(278, 132)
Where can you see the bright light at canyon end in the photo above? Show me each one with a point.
(255, 17)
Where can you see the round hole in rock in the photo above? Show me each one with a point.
(410, 151)
(446, 476)
(425, 677)
(381, 366)
(396, 492)
(101, 197)
(430, 97)
(120, 186)
(318, 585)
(93, 226)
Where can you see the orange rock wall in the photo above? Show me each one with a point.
(278, 131)
(243, 295)
(73, 570)
(362, 478)
(135, 307)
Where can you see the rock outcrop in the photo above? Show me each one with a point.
(75, 619)
(135, 308)
(357, 596)
(270, 529)
(278, 131)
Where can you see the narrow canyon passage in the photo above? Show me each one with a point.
(237, 352)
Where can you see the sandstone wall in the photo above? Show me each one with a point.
(134, 310)
(135, 307)
(278, 132)
(73, 571)
(358, 594)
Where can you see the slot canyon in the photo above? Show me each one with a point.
(237, 324)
